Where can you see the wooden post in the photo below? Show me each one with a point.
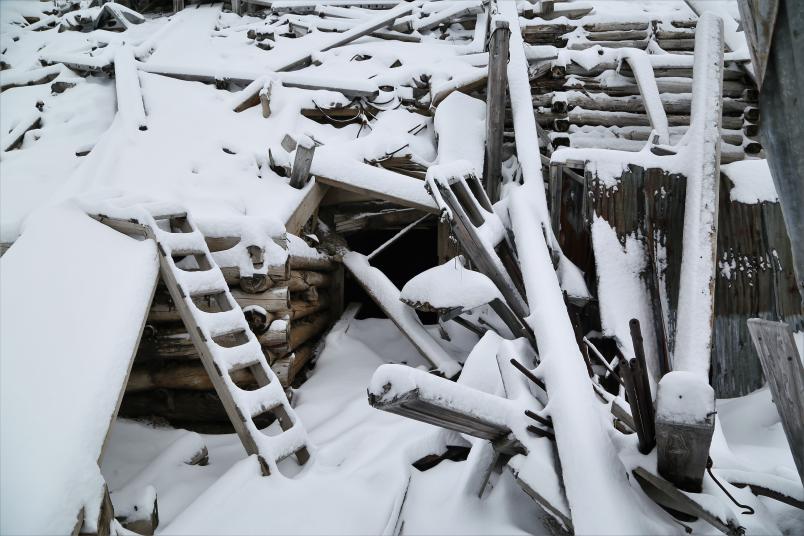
(642, 383)
(265, 99)
(178, 5)
(237, 6)
(685, 422)
(495, 106)
(300, 172)
(785, 373)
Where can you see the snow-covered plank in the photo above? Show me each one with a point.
(693, 340)
(387, 296)
(643, 72)
(14, 138)
(340, 171)
(301, 56)
(129, 93)
(54, 430)
(422, 396)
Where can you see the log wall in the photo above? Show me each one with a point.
(287, 314)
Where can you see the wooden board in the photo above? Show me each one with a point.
(782, 365)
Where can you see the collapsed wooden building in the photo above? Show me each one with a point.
(576, 154)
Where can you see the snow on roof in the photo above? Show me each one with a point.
(59, 379)
(752, 181)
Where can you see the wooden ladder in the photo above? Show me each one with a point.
(219, 332)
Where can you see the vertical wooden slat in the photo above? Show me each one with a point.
(495, 106)
(782, 365)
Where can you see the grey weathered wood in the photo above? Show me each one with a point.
(300, 172)
(486, 261)
(642, 383)
(178, 5)
(665, 494)
(783, 369)
(555, 187)
(495, 107)
(413, 406)
(631, 381)
(306, 208)
(517, 326)
(683, 450)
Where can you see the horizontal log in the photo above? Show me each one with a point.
(272, 300)
(674, 103)
(288, 367)
(580, 116)
(301, 280)
(300, 308)
(177, 406)
(324, 264)
(188, 375)
(307, 328)
(731, 88)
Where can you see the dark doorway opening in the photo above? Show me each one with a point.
(410, 255)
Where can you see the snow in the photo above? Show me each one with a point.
(450, 285)
(198, 152)
(76, 269)
(460, 123)
(622, 294)
(683, 397)
(383, 291)
(752, 181)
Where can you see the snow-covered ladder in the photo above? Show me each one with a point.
(223, 338)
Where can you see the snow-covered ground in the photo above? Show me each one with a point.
(363, 461)
(198, 151)
(361, 469)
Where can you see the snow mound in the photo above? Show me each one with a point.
(449, 285)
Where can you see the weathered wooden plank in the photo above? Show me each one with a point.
(495, 107)
(782, 365)
(306, 207)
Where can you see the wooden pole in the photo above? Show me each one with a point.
(495, 106)
(785, 373)
(300, 172)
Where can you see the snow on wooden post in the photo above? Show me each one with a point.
(495, 106)
(785, 373)
(640, 64)
(300, 172)
(683, 432)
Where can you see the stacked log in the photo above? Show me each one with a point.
(569, 97)
(288, 310)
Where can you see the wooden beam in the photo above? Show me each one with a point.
(428, 402)
(300, 172)
(665, 494)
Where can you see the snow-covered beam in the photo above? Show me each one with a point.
(643, 72)
(424, 397)
(693, 340)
